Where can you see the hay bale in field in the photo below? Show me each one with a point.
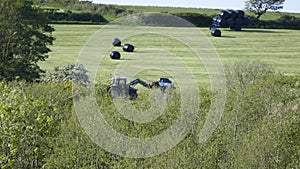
(224, 14)
(128, 47)
(246, 21)
(215, 32)
(236, 27)
(221, 22)
(234, 19)
(115, 54)
(240, 14)
(230, 22)
(238, 21)
(232, 14)
(215, 19)
(116, 42)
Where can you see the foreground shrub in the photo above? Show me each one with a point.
(30, 117)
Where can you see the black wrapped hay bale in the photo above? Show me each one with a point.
(215, 19)
(230, 22)
(240, 14)
(233, 19)
(215, 32)
(224, 14)
(236, 27)
(128, 47)
(232, 14)
(115, 54)
(116, 42)
(239, 21)
(219, 22)
(246, 21)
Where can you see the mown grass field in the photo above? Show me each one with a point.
(277, 47)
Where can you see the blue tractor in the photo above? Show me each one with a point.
(119, 86)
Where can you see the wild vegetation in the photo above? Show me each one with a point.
(259, 128)
(25, 36)
(260, 7)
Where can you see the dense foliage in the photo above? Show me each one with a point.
(260, 7)
(30, 118)
(71, 73)
(70, 16)
(259, 127)
(81, 10)
(24, 37)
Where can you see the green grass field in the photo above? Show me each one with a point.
(277, 47)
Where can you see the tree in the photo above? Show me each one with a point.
(259, 7)
(72, 72)
(24, 37)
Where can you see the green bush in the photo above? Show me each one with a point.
(70, 73)
(30, 118)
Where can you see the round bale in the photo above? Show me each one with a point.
(224, 14)
(128, 47)
(219, 22)
(236, 28)
(215, 32)
(115, 54)
(238, 21)
(246, 21)
(215, 19)
(232, 14)
(230, 22)
(116, 42)
(240, 14)
(222, 22)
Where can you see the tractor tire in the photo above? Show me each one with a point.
(132, 93)
(133, 96)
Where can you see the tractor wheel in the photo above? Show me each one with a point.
(133, 96)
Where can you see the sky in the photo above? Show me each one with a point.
(288, 6)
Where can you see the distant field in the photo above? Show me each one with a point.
(205, 11)
(209, 12)
(277, 47)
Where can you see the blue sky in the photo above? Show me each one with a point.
(289, 5)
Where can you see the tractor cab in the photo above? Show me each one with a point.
(119, 87)
(119, 81)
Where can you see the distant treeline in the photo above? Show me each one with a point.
(199, 20)
(81, 17)
(284, 22)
